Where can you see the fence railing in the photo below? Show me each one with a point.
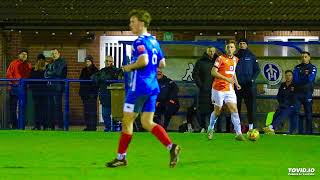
(189, 95)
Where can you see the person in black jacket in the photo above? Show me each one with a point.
(109, 72)
(304, 75)
(202, 77)
(39, 95)
(287, 106)
(167, 101)
(89, 92)
(247, 71)
(56, 70)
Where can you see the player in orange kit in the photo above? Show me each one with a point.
(223, 89)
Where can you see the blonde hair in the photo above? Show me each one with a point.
(142, 15)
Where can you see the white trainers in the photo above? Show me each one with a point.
(210, 134)
(203, 130)
(190, 130)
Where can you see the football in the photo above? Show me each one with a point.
(253, 135)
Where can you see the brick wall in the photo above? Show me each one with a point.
(38, 41)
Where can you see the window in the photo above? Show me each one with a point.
(274, 50)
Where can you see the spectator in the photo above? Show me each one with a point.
(167, 101)
(89, 92)
(109, 72)
(304, 75)
(56, 70)
(247, 71)
(287, 100)
(39, 93)
(202, 77)
(18, 68)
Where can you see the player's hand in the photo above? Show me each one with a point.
(238, 86)
(126, 68)
(171, 101)
(157, 104)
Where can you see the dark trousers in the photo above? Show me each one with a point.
(282, 113)
(13, 101)
(90, 111)
(205, 108)
(306, 101)
(106, 116)
(248, 93)
(40, 110)
(167, 110)
(55, 106)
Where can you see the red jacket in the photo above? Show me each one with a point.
(19, 69)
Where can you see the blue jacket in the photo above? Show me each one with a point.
(247, 69)
(304, 76)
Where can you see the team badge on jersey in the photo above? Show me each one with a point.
(141, 48)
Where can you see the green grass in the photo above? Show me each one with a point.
(82, 155)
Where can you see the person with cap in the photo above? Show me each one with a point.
(18, 68)
(109, 72)
(56, 70)
(247, 71)
(39, 93)
(89, 92)
(304, 75)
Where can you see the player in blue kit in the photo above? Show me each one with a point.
(143, 89)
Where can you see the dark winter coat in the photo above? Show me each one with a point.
(56, 70)
(38, 88)
(203, 78)
(99, 78)
(88, 88)
(168, 90)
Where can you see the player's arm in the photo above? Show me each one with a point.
(235, 79)
(142, 61)
(216, 74)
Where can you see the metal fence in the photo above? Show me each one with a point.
(72, 106)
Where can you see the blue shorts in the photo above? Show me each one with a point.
(141, 103)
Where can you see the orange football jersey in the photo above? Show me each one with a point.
(226, 67)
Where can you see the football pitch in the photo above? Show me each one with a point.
(82, 155)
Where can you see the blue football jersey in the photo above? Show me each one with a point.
(143, 81)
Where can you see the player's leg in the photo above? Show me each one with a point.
(157, 130)
(217, 100)
(231, 102)
(125, 139)
(129, 115)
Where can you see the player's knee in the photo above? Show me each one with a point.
(217, 111)
(233, 109)
(147, 125)
(127, 128)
